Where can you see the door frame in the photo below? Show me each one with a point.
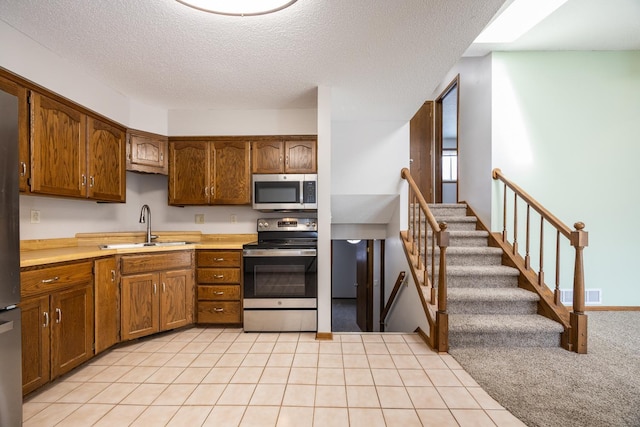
(455, 83)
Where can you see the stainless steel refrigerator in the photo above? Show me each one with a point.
(10, 331)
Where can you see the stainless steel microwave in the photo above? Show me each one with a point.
(285, 192)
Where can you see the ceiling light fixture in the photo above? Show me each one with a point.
(518, 18)
(238, 7)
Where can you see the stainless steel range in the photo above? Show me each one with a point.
(280, 276)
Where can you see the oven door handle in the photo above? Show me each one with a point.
(279, 252)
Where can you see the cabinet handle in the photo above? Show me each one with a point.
(218, 309)
(218, 276)
(218, 259)
(58, 315)
(287, 160)
(54, 279)
(46, 319)
(164, 288)
(92, 181)
(113, 276)
(84, 180)
(206, 191)
(155, 289)
(218, 293)
(162, 157)
(23, 165)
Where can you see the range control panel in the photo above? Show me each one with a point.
(287, 224)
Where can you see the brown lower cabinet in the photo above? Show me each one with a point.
(157, 293)
(57, 321)
(219, 287)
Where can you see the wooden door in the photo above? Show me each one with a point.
(71, 328)
(189, 173)
(421, 147)
(58, 148)
(36, 369)
(267, 157)
(364, 279)
(300, 157)
(140, 306)
(147, 152)
(24, 163)
(107, 307)
(176, 299)
(106, 162)
(231, 174)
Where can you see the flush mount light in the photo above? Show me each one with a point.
(238, 7)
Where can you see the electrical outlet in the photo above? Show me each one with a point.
(199, 218)
(35, 216)
(234, 218)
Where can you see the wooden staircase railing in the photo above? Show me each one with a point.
(392, 297)
(574, 322)
(419, 249)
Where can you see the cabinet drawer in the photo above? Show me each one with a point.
(219, 312)
(219, 258)
(48, 279)
(218, 292)
(218, 275)
(132, 264)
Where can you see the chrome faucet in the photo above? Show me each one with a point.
(145, 217)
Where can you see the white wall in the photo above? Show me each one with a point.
(474, 132)
(565, 128)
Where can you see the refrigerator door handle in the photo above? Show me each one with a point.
(6, 327)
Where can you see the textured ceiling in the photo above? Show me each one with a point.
(382, 58)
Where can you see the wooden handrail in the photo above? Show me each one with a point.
(391, 299)
(578, 238)
(559, 225)
(422, 257)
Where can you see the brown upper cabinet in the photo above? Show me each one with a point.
(284, 156)
(209, 172)
(73, 154)
(24, 164)
(147, 152)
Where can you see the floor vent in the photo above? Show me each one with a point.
(591, 296)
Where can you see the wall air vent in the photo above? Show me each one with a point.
(591, 296)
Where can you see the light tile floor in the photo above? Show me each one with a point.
(225, 377)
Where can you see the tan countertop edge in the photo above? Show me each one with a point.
(85, 245)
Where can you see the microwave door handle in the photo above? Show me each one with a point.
(301, 192)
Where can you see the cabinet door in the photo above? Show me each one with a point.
(107, 308)
(35, 343)
(57, 148)
(231, 178)
(71, 328)
(147, 153)
(106, 160)
(300, 157)
(24, 162)
(176, 299)
(267, 157)
(189, 173)
(140, 305)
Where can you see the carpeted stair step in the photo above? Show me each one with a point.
(503, 331)
(469, 256)
(465, 238)
(456, 223)
(448, 209)
(498, 276)
(491, 301)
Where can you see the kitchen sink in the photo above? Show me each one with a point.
(142, 245)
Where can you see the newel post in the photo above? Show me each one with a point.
(442, 317)
(579, 240)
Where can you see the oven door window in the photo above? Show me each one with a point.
(280, 277)
(276, 281)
